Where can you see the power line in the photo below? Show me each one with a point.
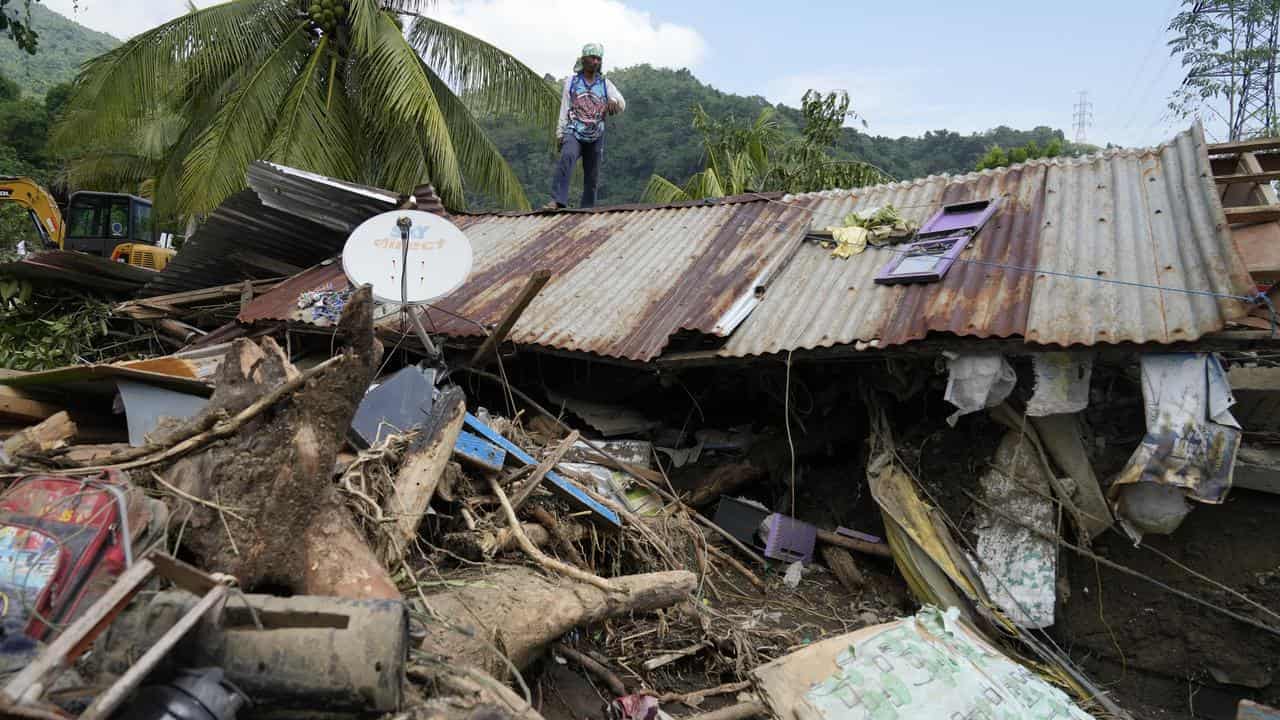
(1082, 117)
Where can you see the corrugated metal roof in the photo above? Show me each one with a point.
(1148, 217)
(287, 216)
(79, 269)
(1062, 262)
(622, 283)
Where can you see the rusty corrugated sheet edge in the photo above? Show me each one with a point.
(629, 207)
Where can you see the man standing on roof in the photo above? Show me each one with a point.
(585, 101)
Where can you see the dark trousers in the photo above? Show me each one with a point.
(591, 153)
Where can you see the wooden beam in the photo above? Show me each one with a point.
(105, 704)
(1252, 213)
(18, 405)
(1247, 177)
(531, 288)
(37, 677)
(1241, 146)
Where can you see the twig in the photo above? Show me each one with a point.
(586, 663)
(693, 699)
(541, 471)
(621, 466)
(537, 555)
(199, 501)
(221, 429)
(230, 538)
(741, 711)
(733, 563)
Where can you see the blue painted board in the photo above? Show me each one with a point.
(559, 485)
(479, 452)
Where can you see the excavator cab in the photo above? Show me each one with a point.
(98, 222)
(115, 226)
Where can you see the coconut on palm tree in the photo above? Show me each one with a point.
(336, 87)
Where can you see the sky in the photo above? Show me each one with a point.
(908, 67)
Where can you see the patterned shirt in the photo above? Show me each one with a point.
(583, 105)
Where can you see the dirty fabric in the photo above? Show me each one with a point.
(1192, 437)
(877, 225)
(1062, 383)
(1017, 565)
(977, 381)
(927, 666)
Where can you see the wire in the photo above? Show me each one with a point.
(786, 416)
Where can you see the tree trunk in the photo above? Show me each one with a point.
(273, 476)
(520, 611)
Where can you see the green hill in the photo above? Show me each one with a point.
(64, 44)
(655, 135)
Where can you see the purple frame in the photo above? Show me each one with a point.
(889, 274)
(950, 219)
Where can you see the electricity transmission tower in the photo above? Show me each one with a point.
(1242, 66)
(1082, 117)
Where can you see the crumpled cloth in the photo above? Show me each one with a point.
(877, 225)
(977, 381)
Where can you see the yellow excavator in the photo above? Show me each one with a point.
(109, 225)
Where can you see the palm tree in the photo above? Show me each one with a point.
(758, 157)
(332, 86)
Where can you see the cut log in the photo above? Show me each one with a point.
(724, 479)
(842, 566)
(423, 465)
(854, 544)
(520, 611)
(275, 471)
(18, 405)
(50, 434)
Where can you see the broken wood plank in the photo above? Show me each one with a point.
(559, 484)
(854, 544)
(37, 677)
(541, 471)
(1242, 146)
(479, 453)
(1238, 178)
(52, 433)
(106, 703)
(1060, 435)
(1252, 213)
(18, 405)
(423, 465)
(487, 348)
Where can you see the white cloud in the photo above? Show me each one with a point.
(122, 19)
(547, 35)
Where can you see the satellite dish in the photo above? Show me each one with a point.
(438, 256)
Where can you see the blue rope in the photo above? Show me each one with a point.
(1265, 299)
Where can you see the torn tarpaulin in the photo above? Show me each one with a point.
(977, 381)
(1191, 438)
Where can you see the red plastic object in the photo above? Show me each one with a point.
(56, 534)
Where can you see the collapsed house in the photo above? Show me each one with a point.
(788, 454)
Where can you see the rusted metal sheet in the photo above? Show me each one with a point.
(68, 268)
(281, 303)
(1135, 217)
(287, 215)
(622, 283)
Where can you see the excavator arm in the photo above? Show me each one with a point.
(44, 211)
